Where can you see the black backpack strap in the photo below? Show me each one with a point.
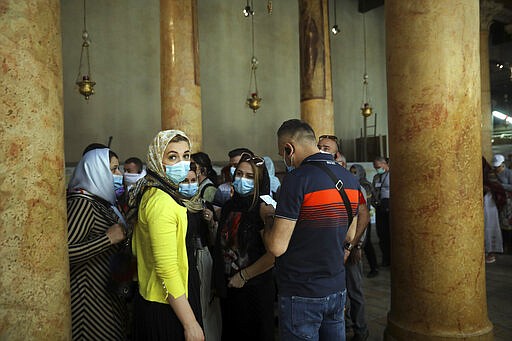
(339, 186)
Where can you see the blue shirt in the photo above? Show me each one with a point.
(312, 266)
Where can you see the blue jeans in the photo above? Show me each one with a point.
(307, 318)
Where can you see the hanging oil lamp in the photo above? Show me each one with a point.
(83, 79)
(253, 100)
(366, 109)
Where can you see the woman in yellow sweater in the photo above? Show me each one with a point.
(162, 310)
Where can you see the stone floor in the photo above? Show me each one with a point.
(499, 299)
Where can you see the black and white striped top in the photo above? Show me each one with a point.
(96, 313)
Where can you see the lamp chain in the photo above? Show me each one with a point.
(365, 75)
(85, 21)
(254, 61)
(335, 21)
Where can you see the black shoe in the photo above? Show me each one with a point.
(373, 273)
(361, 336)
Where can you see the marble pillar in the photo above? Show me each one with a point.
(179, 69)
(437, 247)
(488, 9)
(316, 105)
(34, 269)
(486, 109)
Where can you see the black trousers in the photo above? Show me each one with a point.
(248, 312)
(354, 280)
(383, 230)
(369, 251)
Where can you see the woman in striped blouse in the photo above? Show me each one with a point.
(95, 229)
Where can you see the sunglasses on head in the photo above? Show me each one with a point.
(330, 137)
(246, 157)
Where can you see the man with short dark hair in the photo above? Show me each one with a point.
(133, 172)
(318, 199)
(234, 157)
(329, 144)
(133, 165)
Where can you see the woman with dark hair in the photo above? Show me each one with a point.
(206, 175)
(164, 307)
(95, 230)
(242, 263)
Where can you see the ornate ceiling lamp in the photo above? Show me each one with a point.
(83, 80)
(253, 100)
(366, 109)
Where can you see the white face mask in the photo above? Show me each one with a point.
(131, 178)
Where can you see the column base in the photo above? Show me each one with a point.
(394, 332)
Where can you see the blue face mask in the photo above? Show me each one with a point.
(118, 181)
(118, 185)
(189, 190)
(243, 186)
(380, 170)
(178, 172)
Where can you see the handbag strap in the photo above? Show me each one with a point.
(339, 186)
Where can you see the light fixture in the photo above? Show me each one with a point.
(248, 11)
(335, 29)
(366, 109)
(502, 116)
(253, 100)
(84, 80)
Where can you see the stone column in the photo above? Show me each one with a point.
(34, 269)
(437, 254)
(179, 69)
(488, 9)
(316, 105)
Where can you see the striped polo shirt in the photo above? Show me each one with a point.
(312, 266)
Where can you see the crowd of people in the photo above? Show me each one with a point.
(171, 250)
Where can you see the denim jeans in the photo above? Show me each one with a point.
(317, 319)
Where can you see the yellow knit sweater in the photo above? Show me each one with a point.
(159, 245)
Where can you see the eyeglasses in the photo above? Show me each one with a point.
(246, 157)
(330, 137)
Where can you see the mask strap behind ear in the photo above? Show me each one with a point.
(289, 149)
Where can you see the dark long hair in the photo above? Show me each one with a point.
(205, 166)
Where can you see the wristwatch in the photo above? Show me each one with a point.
(348, 246)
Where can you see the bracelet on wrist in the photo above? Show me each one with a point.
(242, 276)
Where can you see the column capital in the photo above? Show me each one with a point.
(488, 11)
